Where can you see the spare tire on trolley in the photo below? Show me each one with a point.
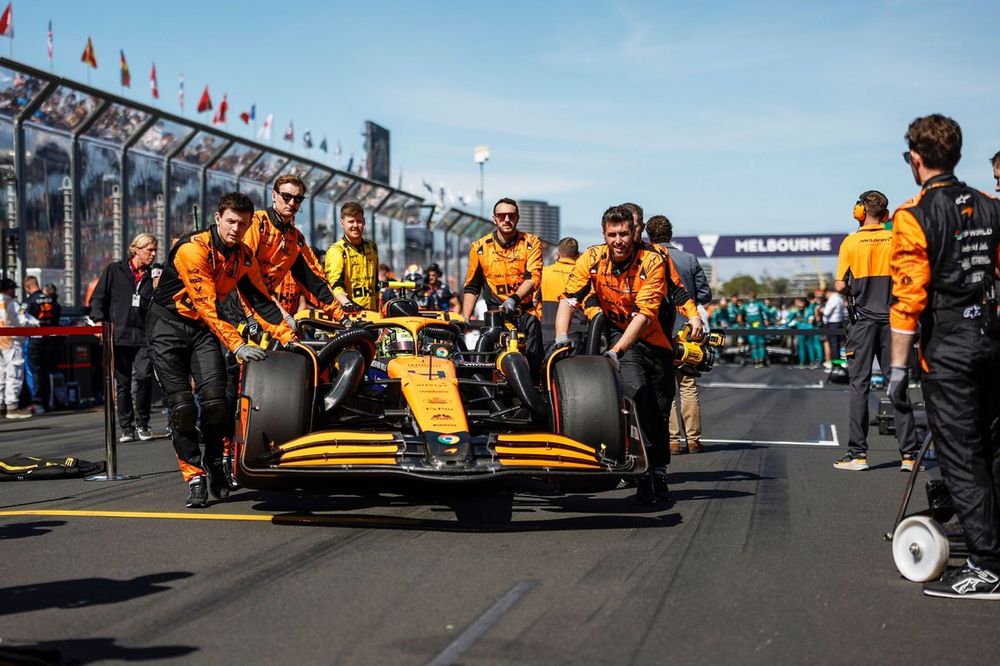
(587, 405)
(277, 394)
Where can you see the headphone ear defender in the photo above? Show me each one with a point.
(859, 212)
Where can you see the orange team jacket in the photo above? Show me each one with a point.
(554, 278)
(944, 248)
(201, 272)
(639, 287)
(496, 271)
(281, 250)
(863, 262)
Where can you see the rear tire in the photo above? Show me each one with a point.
(587, 406)
(280, 393)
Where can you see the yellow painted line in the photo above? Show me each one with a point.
(277, 519)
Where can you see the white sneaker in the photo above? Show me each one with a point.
(145, 434)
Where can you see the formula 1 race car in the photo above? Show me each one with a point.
(398, 394)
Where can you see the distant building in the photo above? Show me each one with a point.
(541, 219)
(802, 283)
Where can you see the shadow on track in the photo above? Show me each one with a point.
(83, 592)
(24, 530)
(87, 651)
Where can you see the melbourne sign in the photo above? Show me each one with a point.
(713, 246)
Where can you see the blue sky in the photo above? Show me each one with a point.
(728, 117)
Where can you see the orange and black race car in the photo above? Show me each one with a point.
(398, 393)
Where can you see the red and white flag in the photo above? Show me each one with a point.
(265, 130)
(220, 114)
(180, 92)
(7, 21)
(153, 87)
(50, 40)
(205, 103)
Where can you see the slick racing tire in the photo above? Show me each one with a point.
(279, 391)
(587, 406)
(920, 549)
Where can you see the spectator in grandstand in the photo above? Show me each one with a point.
(628, 281)
(184, 331)
(122, 297)
(435, 294)
(688, 403)
(505, 268)
(42, 306)
(863, 273)
(834, 316)
(11, 353)
(351, 263)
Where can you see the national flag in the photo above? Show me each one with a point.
(265, 130)
(350, 163)
(180, 92)
(220, 114)
(247, 116)
(126, 75)
(337, 153)
(205, 103)
(88, 56)
(323, 145)
(428, 187)
(153, 87)
(50, 40)
(290, 132)
(307, 139)
(7, 21)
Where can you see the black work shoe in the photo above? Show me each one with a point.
(227, 468)
(198, 498)
(644, 493)
(217, 482)
(969, 582)
(660, 490)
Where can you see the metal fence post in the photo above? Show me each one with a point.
(110, 413)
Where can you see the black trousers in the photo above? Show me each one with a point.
(39, 361)
(183, 350)
(532, 328)
(648, 378)
(133, 386)
(867, 339)
(962, 393)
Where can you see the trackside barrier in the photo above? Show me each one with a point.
(106, 333)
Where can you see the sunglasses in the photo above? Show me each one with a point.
(289, 198)
(906, 156)
(505, 216)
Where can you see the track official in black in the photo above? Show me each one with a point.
(944, 267)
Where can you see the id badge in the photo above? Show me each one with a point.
(136, 300)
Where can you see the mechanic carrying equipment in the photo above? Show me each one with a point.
(863, 274)
(505, 268)
(944, 264)
(183, 329)
(352, 263)
(627, 281)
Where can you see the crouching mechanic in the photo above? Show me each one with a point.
(505, 268)
(183, 329)
(628, 282)
(944, 263)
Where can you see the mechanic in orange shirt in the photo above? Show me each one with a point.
(627, 280)
(944, 266)
(183, 330)
(505, 268)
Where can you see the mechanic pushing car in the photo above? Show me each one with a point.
(944, 264)
(505, 268)
(183, 329)
(628, 282)
(352, 263)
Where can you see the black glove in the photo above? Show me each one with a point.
(248, 353)
(509, 306)
(352, 307)
(899, 382)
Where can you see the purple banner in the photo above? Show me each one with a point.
(714, 246)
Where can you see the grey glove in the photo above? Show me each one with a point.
(509, 306)
(292, 323)
(248, 353)
(613, 357)
(899, 382)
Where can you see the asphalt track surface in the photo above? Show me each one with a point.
(770, 555)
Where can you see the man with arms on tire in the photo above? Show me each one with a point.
(505, 268)
(628, 282)
(944, 263)
(863, 274)
(184, 330)
(661, 232)
(352, 263)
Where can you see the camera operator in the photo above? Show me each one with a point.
(944, 262)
